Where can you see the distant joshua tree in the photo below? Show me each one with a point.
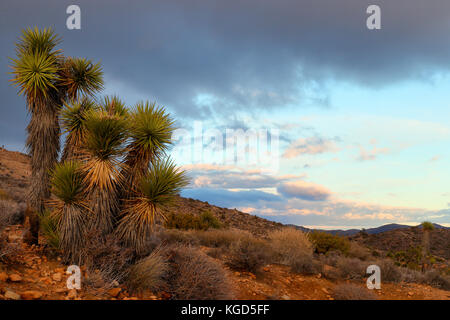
(427, 227)
(47, 79)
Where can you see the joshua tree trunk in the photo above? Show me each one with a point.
(43, 145)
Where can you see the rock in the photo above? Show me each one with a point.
(237, 274)
(11, 295)
(57, 277)
(114, 292)
(285, 297)
(15, 277)
(3, 276)
(31, 295)
(325, 290)
(72, 294)
(266, 269)
(410, 293)
(319, 276)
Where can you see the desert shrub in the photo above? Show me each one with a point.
(7, 250)
(412, 276)
(389, 271)
(222, 238)
(350, 268)
(48, 225)
(410, 258)
(291, 247)
(187, 221)
(248, 254)
(105, 259)
(353, 292)
(174, 236)
(435, 279)
(148, 273)
(193, 275)
(12, 210)
(358, 251)
(326, 242)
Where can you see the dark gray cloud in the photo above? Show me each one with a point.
(247, 55)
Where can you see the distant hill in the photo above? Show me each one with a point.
(377, 230)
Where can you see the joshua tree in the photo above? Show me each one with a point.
(73, 119)
(151, 130)
(156, 190)
(105, 135)
(47, 79)
(35, 73)
(70, 207)
(427, 227)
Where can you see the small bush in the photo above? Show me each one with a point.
(435, 279)
(326, 242)
(148, 273)
(248, 254)
(291, 247)
(12, 210)
(350, 268)
(105, 259)
(389, 271)
(358, 251)
(222, 238)
(353, 292)
(187, 221)
(195, 276)
(7, 250)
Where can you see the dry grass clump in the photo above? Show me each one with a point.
(248, 254)
(7, 250)
(105, 259)
(222, 238)
(348, 268)
(12, 210)
(148, 273)
(353, 292)
(187, 221)
(435, 279)
(358, 251)
(389, 271)
(195, 276)
(291, 247)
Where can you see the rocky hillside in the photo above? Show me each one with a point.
(404, 238)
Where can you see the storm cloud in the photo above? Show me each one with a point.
(210, 59)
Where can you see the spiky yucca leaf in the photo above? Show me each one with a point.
(70, 209)
(73, 119)
(105, 135)
(156, 191)
(35, 40)
(79, 75)
(35, 74)
(151, 130)
(112, 105)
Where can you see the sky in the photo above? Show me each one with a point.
(345, 126)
